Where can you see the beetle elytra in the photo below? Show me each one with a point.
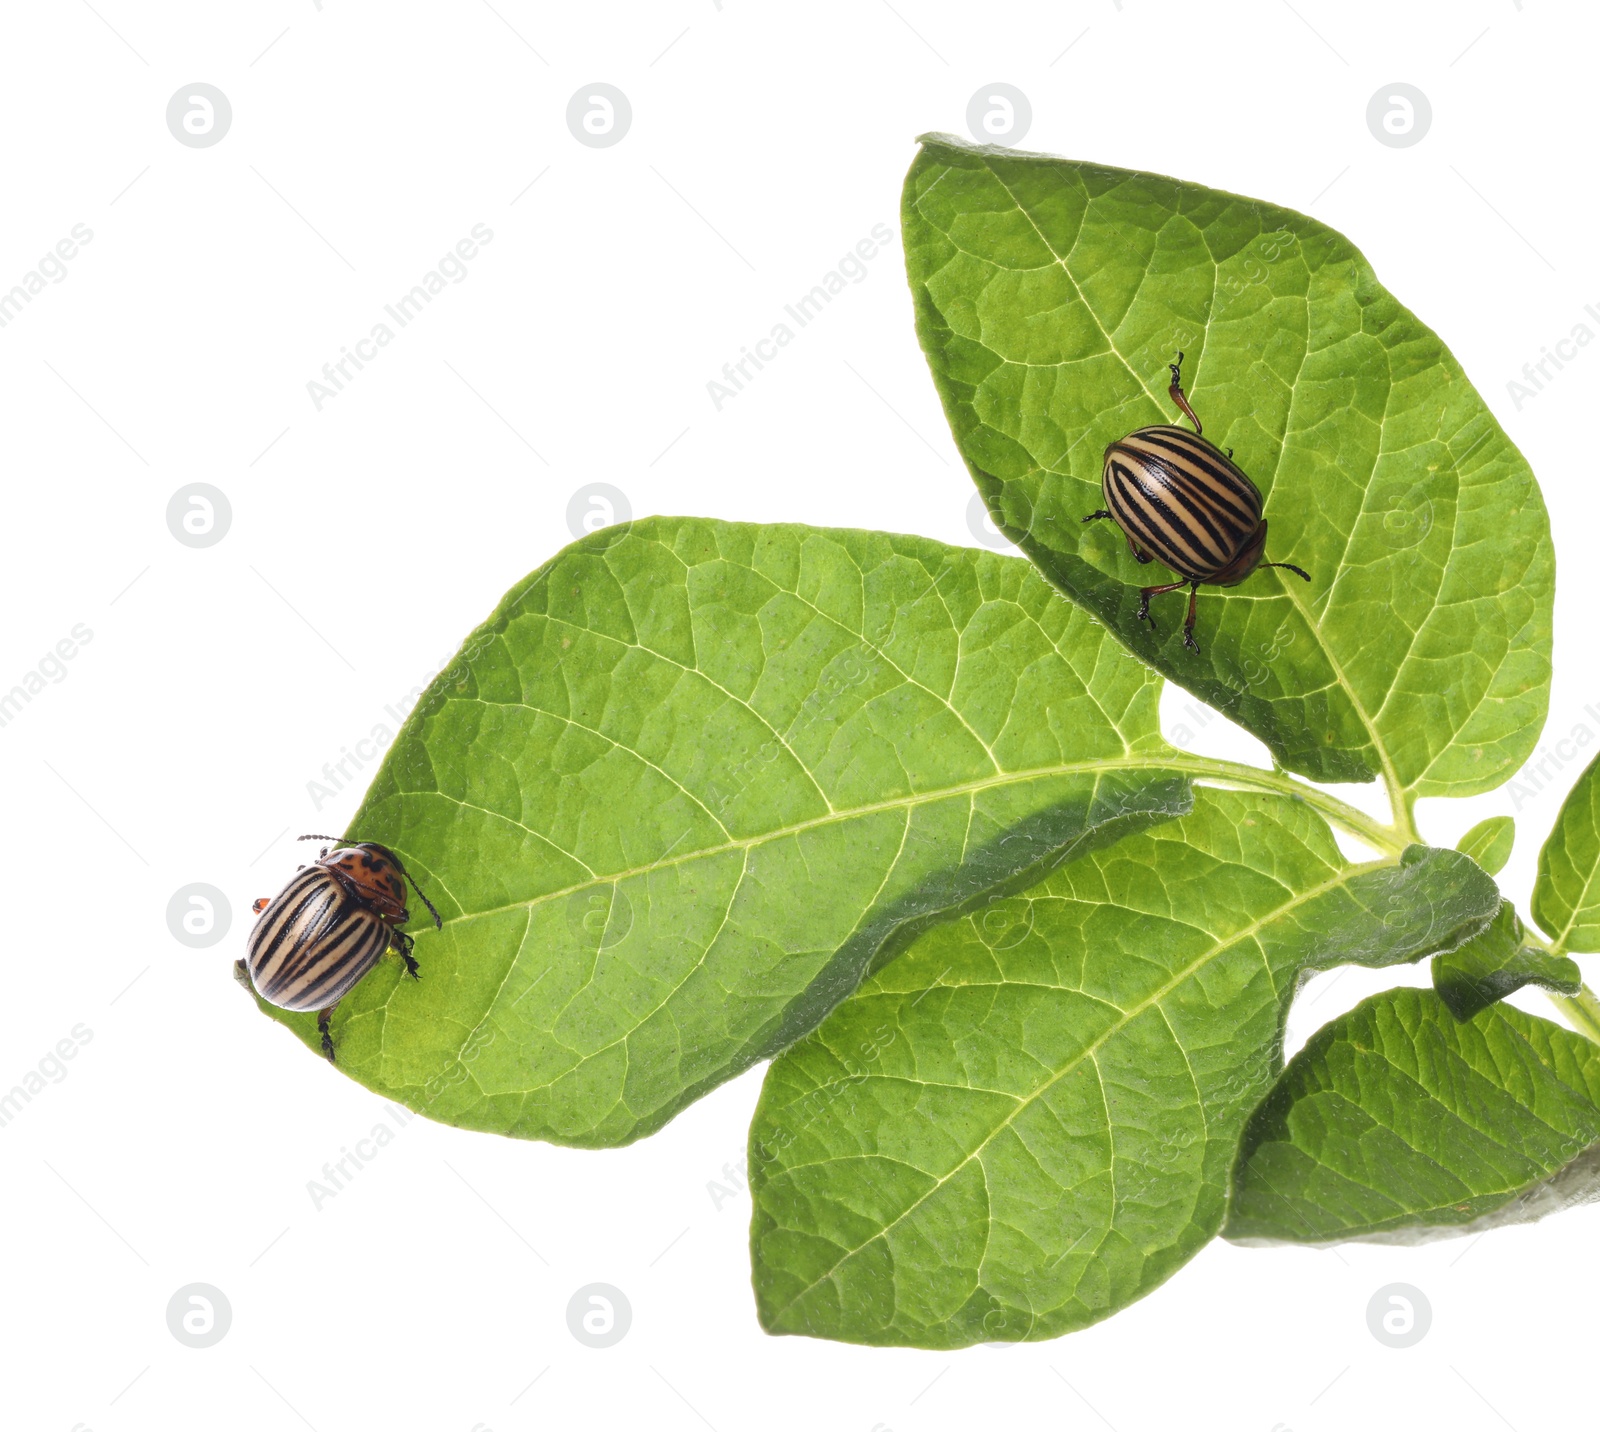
(1180, 499)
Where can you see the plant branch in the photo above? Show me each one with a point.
(1389, 839)
(1582, 1011)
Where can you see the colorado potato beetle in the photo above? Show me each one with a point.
(328, 926)
(1179, 498)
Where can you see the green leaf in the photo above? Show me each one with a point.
(1398, 1123)
(1566, 895)
(1489, 842)
(691, 778)
(1497, 963)
(1027, 1120)
(1051, 295)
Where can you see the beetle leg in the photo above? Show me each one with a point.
(1188, 626)
(1096, 516)
(1175, 392)
(402, 943)
(261, 904)
(1145, 593)
(1139, 553)
(323, 1016)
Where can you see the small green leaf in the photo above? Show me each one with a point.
(1028, 1119)
(691, 777)
(1050, 297)
(1496, 963)
(1566, 895)
(1489, 842)
(1398, 1122)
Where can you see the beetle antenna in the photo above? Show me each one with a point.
(1176, 393)
(438, 923)
(1298, 571)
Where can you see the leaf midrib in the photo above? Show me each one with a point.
(1559, 944)
(1128, 762)
(1116, 1027)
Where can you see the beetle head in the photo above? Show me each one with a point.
(375, 875)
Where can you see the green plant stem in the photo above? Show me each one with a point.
(1403, 804)
(1582, 1010)
(1390, 839)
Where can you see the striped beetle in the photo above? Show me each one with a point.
(328, 926)
(1179, 496)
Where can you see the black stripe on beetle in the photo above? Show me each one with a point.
(328, 926)
(1181, 500)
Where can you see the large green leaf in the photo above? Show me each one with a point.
(1027, 1119)
(1051, 295)
(1398, 1122)
(1566, 894)
(1497, 963)
(691, 777)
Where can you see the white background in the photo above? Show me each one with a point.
(367, 538)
